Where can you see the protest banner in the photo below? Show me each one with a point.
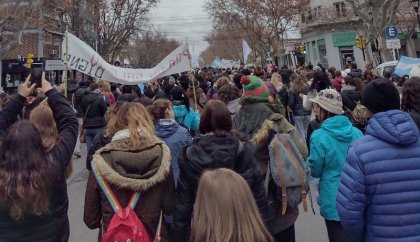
(81, 57)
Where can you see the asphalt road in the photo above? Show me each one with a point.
(309, 227)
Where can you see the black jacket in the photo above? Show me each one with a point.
(296, 103)
(350, 97)
(97, 108)
(78, 96)
(52, 227)
(212, 152)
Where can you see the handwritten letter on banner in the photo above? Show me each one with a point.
(83, 58)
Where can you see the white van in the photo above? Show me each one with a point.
(387, 66)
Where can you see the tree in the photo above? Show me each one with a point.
(262, 21)
(406, 20)
(376, 15)
(149, 48)
(223, 43)
(106, 25)
(14, 22)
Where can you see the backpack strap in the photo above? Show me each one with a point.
(281, 175)
(113, 201)
(134, 200)
(299, 171)
(158, 237)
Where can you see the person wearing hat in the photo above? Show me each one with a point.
(329, 146)
(255, 121)
(378, 196)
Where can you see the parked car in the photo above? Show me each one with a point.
(387, 66)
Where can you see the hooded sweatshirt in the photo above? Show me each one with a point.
(176, 137)
(188, 119)
(329, 146)
(378, 198)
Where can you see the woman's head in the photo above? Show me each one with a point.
(161, 109)
(215, 118)
(225, 210)
(221, 82)
(353, 81)
(135, 118)
(320, 81)
(327, 103)
(411, 95)
(106, 87)
(93, 86)
(25, 172)
(229, 93)
(43, 119)
(178, 95)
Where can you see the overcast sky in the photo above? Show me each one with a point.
(182, 19)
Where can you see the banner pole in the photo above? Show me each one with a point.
(193, 78)
(65, 62)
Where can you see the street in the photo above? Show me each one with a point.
(309, 227)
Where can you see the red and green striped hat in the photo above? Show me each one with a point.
(254, 89)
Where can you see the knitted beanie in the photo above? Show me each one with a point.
(255, 89)
(381, 95)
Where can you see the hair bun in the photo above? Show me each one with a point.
(245, 80)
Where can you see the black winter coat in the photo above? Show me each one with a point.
(97, 108)
(212, 152)
(296, 103)
(78, 96)
(350, 98)
(52, 227)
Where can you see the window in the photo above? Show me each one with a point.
(309, 15)
(303, 17)
(340, 9)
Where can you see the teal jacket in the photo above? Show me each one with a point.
(189, 120)
(329, 146)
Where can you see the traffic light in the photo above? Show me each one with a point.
(29, 60)
(302, 49)
(360, 42)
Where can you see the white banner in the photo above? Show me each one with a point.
(83, 58)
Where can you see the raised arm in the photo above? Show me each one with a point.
(10, 113)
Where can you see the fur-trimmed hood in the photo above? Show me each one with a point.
(134, 169)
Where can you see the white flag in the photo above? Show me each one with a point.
(246, 50)
(83, 58)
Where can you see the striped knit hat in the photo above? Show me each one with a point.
(254, 89)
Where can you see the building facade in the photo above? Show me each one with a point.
(329, 29)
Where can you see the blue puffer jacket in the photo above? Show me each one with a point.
(329, 146)
(176, 138)
(379, 193)
(188, 119)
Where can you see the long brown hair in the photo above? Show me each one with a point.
(158, 109)
(411, 95)
(25, 172)
(132, 116)
(43, 119)
(225, 210)
(215, 118)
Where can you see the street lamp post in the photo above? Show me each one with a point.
(415, 4)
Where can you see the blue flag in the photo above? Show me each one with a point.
(405, 65)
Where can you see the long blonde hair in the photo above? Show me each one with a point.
(225, 210)
(132, 116)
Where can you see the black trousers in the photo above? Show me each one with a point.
(336, 233)
(287, 235)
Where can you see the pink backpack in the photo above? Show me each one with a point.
(125, 225)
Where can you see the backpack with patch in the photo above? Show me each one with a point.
(360, 113)
(288, 171)
(125, 225)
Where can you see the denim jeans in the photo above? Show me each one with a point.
(90, 136)
(301, 124)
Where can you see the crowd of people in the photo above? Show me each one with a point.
(194, 147)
